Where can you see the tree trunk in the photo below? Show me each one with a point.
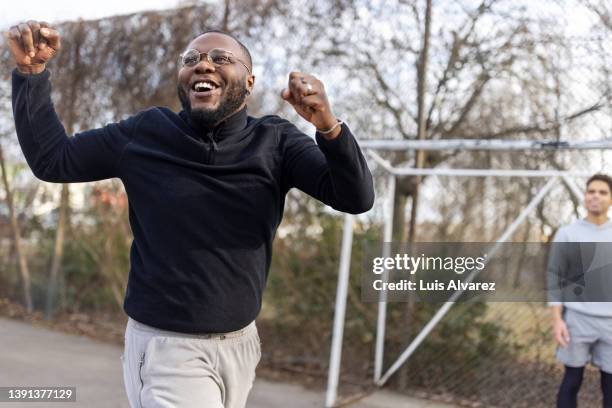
(420, 160)
(21, 258)
(226, 16)
(76, 73)
(58, 251)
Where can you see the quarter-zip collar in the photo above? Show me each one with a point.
(234, 123)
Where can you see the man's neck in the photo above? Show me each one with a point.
(235, 121)
(597, 219)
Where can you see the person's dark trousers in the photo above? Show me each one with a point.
(568, 392)
(606, 388)
(572, 380)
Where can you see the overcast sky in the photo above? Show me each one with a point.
(61, 10)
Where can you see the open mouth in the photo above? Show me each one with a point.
(205, 88)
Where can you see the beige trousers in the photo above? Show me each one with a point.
(164, 369)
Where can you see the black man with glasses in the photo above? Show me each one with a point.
(206, 188)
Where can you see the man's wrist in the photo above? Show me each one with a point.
(31, 69)
(332, 130)
(333, 134)
(557, 313)
(328, 123)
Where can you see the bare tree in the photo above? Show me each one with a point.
(24, 270)
(68, 110)
(603, 9)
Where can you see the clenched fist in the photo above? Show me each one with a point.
(33, 44)
(307, 95)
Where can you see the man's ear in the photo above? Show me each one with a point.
(250, 83)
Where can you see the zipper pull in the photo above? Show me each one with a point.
(212, 142)
(212, 145)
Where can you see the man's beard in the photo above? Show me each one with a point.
(234, 96)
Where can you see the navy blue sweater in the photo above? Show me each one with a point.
(204, 204)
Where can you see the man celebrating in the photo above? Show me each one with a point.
(583, 330)
(206, 190)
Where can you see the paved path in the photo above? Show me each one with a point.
(34, 356)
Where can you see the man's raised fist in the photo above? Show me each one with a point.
(33, 44)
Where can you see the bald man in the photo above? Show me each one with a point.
(206, 189)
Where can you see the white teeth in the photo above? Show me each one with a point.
(203, 86)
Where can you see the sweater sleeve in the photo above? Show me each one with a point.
(53, 156)
(557, 268)
(332, 171)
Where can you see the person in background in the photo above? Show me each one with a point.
(582, 330)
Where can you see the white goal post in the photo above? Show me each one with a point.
(371, 146)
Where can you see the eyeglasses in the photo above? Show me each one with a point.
(217, 57)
